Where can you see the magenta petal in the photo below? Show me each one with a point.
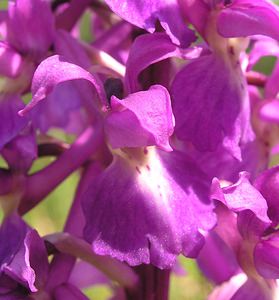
(63, 104)
(266, 257)
(216, 260)
(241, 196)
(210, 105)
(254, 160)
(69, 292)
(196, 12)
(148, 207)
(11, 123)
(10, 61)
(68, 15)
(226, 290)
(23, 254)
(142, 119)
(7, 286)
(267, 184)
(250, 17)
(85, 275)
(35, 251)
(140, 56)
(3, 23)
(115, 41)
(14, 228)
(145, 14)
(271, 88)
(55, 70)
(263, 47)
(30, 26)
(21, 151)
(252, 290)
(20, 270)
(68, 47)
(240, 287)
(56, 110)
(14, 296)
(269, 111)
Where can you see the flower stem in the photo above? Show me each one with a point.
(154, 284)
(40, 184)
(255, 78)
(69, 17)
(62, 264)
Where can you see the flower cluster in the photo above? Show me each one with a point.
(175, 136)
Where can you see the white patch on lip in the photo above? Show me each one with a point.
(152, 176)
(228, 288)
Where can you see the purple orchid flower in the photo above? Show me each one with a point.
(156, 114)
(265, 106)
(167, 12)
(26, 40)
(248, 236)
(24, 263)
(25, 272)
(148, 117)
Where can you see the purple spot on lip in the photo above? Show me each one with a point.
(147, 167)
(231, 51)
(227, 2)
(138, 170)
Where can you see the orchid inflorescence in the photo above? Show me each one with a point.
(174, 133)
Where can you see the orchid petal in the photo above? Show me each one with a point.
(55, 70)
(145, 14)
(210, 105)
(163, 197)
(142, 119)
(69, 292)
(10, 61)
(25, 258)
(271, 88)
(21, 151)
(241, 196)
(216, 259)
(11, 122)
(30, 26)
(249, 18)
(140, 56)
(267, 184)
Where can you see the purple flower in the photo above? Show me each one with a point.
(9, 106)
(145, 15)
(21, 151)
(156, 114)
(146, 115)
(140, 56)
(168, 213)
(248, 236)
(30, 27)
(163, 197)
(28, 36)
(24, 268)
(250, 18)
(23, 257)
(213, 109)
